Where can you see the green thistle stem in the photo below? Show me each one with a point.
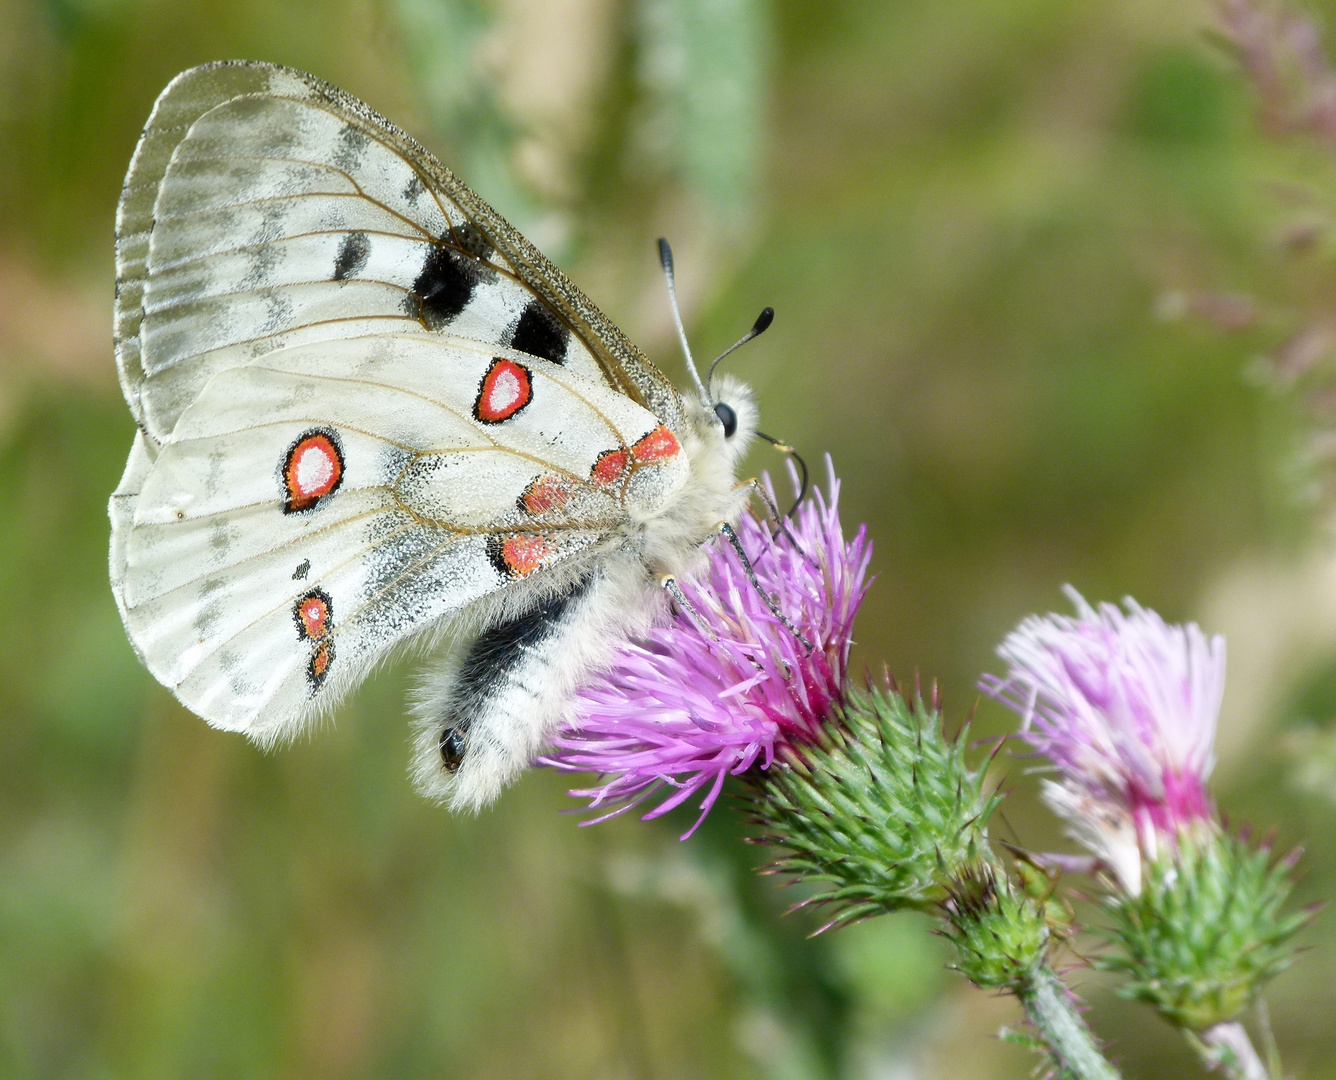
(1228, 1048)
(1003, 939)
(1058, 1025)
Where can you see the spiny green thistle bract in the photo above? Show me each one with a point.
(1206, 930)
(882, 809)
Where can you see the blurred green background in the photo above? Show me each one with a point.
(988, 228)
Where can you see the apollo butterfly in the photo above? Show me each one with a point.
(370, 410)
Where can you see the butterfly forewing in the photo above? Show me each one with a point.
(263, 206)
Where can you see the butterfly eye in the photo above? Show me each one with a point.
(727, 417)
(452, 749)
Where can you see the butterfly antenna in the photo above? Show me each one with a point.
(759, 327)
(666, 260)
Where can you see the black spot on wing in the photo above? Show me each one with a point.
(540, 333)
(352, 255)
(491, 659)
(496, 557)
(445, 284)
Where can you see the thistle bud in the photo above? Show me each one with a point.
(1206, 931)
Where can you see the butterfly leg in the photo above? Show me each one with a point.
(780, 522)
(772, 508)
(730, 534)
(669, 584)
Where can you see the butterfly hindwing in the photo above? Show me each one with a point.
(394, 479)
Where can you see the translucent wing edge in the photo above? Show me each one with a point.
(121, 511)
(184, 100)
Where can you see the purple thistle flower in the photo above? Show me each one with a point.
(1125, 707)
(700, 699)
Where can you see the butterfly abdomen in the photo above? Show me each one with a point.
(496, 657)
(489, 710)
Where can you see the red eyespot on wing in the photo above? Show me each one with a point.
(505, 390)
(312, 614)
(609, 467)
(318, 668)
(312, 469)
(546, 493)
(520, 554)
(659, 445)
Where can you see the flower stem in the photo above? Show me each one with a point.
(1059, 1026)
(1227, 1047)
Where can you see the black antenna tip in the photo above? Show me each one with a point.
(665, 254)
(763, 321)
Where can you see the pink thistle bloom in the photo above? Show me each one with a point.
(1125, 707)
(703, 698)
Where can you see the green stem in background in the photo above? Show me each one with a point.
(1058, 1026)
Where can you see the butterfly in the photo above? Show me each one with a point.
(372, 416)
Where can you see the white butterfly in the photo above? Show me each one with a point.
(372, 413)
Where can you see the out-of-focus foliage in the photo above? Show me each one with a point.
(976, 219)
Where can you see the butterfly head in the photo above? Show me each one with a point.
(733, 415)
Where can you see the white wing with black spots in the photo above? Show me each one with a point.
(370, 409)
